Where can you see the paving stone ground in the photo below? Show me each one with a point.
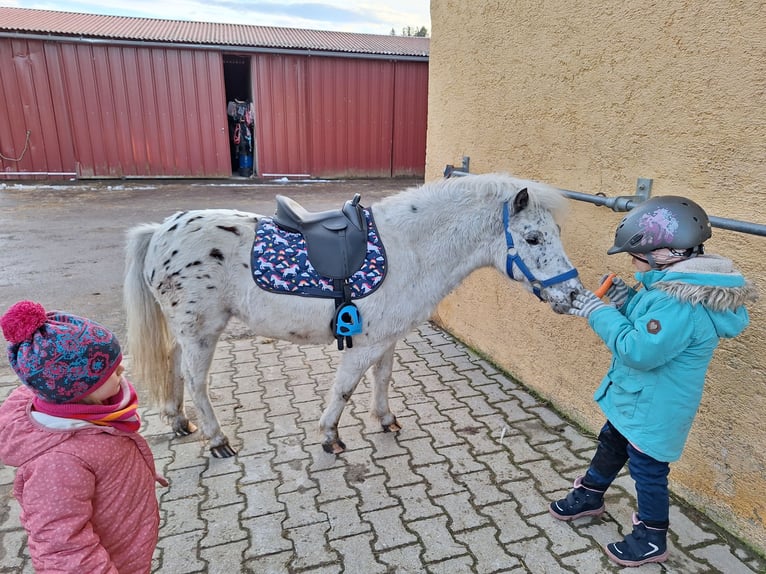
(463, 488)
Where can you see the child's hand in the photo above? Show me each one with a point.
(617, 291)
(585, 303)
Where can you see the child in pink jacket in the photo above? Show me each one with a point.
(86, 478)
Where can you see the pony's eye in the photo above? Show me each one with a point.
(533, 239)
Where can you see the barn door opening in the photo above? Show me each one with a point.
(239, 110)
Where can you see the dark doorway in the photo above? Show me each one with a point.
(239, 109)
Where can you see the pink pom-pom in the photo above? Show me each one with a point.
(21, 321)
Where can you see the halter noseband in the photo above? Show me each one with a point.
(513, 257)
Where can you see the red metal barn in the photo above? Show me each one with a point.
(113, 97)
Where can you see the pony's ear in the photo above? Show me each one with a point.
(521, 201)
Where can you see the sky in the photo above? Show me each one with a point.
(364, 16)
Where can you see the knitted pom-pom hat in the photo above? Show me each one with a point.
(61, 357)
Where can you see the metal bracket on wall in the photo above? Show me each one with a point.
(450, 170)
(620, 202)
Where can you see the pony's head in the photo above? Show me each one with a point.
(535, 255)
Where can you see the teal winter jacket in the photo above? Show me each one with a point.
(662, 340)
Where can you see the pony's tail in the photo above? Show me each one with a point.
(149, 342)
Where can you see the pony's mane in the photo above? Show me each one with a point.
(499, 186)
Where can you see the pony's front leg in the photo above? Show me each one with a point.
(381, 376)
(197, 357)
(353, 365)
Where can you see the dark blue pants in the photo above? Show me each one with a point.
(650, 475)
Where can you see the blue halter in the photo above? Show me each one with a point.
(513, 258)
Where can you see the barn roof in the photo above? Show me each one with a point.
(124, 28)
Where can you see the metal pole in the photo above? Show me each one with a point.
(628, 202)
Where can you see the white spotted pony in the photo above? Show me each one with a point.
(186, 277)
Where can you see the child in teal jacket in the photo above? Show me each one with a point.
(662, 338)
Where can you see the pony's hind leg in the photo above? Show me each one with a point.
(381, 376)
(173, 410)
(197, 356)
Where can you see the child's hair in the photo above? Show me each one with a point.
(61, 357)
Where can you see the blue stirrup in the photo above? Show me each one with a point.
(348, 321)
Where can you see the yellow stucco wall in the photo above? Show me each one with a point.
(590, 96)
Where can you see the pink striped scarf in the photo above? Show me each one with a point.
(120, 412)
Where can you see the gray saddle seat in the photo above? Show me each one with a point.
(336, 240)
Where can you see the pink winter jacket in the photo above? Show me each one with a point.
(87, 496)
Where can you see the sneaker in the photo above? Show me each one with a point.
(643, 545)
(582, 501)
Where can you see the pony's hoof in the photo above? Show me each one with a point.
(222, 450)
(185, 429)
(392, 427)
(335, 447)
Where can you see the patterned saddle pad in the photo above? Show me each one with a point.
(279, 263)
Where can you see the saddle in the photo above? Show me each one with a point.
(336, 246)
(336, 240)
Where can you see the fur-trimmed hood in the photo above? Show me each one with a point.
(708, 280)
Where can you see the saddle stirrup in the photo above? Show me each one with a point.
(347, 320)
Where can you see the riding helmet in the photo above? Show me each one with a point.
(667, 221)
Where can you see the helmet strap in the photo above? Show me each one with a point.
(651, 260)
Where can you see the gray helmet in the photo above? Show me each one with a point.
(664, 221)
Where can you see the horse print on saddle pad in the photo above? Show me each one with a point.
(280, 264)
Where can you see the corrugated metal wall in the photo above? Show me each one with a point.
(112, 111)
(410, 119)
(281, 120)
(339, 117)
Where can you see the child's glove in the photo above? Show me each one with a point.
(617, 292)
(585, 303)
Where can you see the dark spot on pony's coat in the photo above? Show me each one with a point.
(414, 208)
(246, 265)
(166, 263)
(175, 274)
(151, 277)
(173, 303)
(173, 227)
(180, 214)
(230, 229)
(193, 263)
(216, 254)
(212, 287)
(193, 219)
